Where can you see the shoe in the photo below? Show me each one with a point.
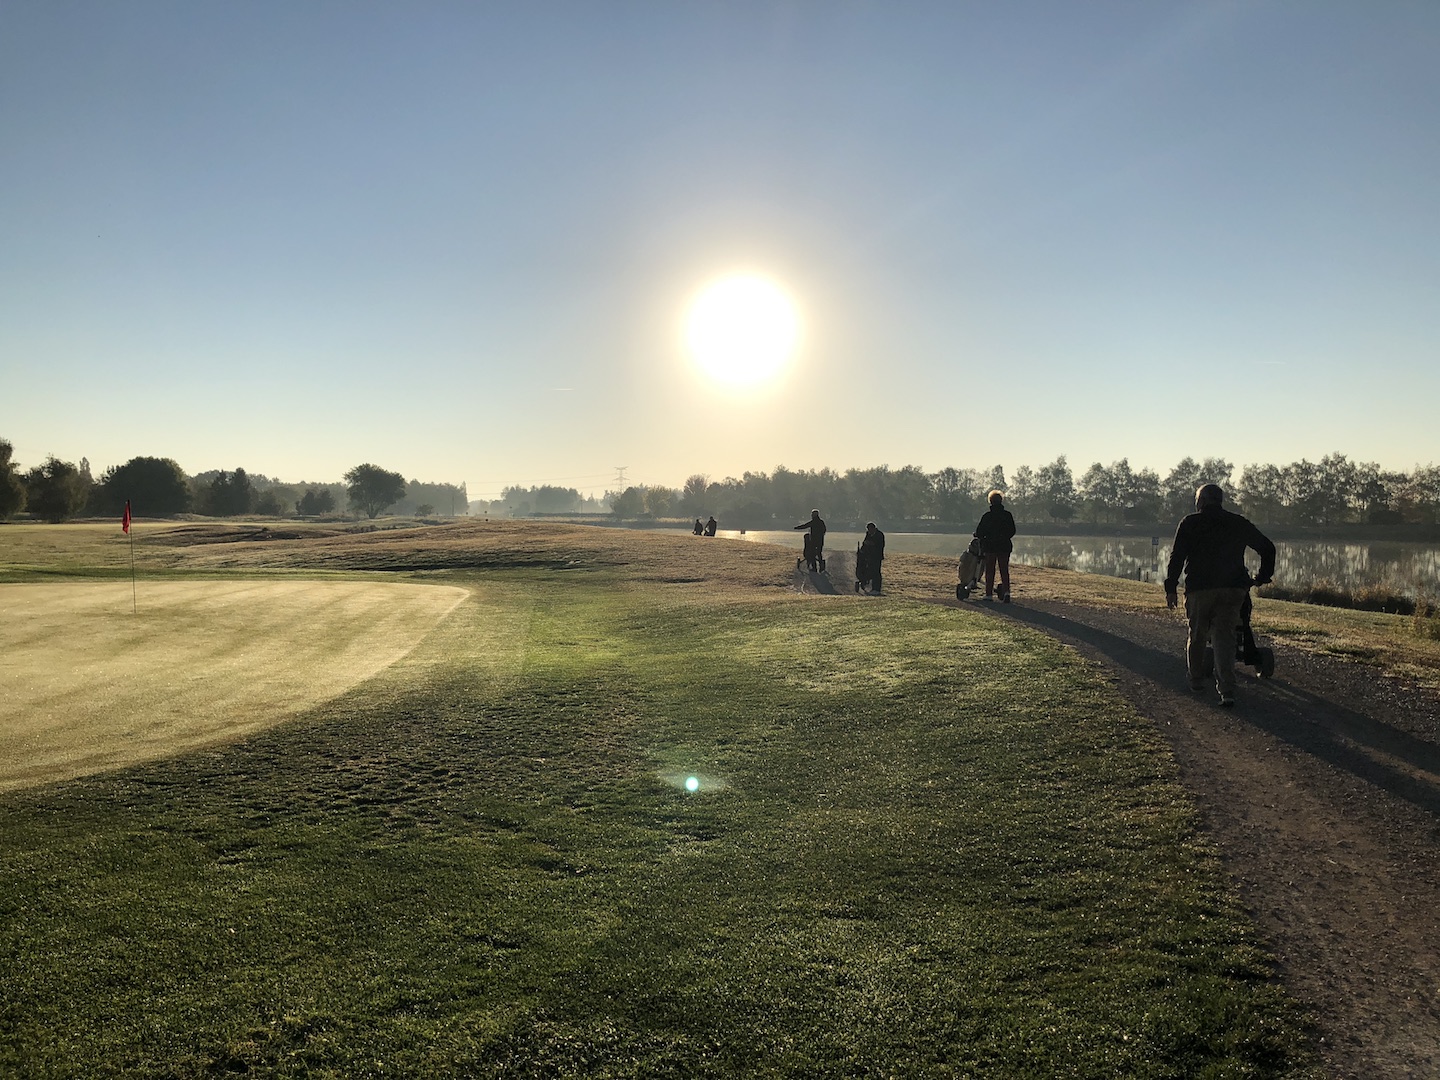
(1227, 701)
(987, 597)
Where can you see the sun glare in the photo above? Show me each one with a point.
(742, 330)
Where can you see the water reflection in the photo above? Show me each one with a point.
(1413, 569)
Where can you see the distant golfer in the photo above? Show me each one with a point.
(996, 533)
(1210, 547)
(711, 526)
(872, 554)
(816, 525)
(699, 529)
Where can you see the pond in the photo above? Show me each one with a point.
(1412, 569)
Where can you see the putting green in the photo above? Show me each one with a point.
(85, 684)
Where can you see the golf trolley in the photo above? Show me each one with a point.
(1260, 657)
(810, 558)
(971, 567)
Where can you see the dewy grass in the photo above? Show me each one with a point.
(920, 842)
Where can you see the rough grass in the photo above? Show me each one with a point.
(1329, 594)
(923, 843)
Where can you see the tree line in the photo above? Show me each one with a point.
(56, 491)
(1332, 491)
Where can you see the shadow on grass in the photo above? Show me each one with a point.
(809, 581)
(1331, 732)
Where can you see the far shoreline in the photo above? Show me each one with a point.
(1416, 533)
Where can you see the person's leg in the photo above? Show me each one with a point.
(1004, 560)
(1224, 618)
(989, 574)
(1198, 606)
(875, 578)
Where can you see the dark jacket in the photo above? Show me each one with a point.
(873, 547)
(995, 531)
(817, 531)
(1210, 547)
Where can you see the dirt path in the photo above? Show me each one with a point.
(1322, 789)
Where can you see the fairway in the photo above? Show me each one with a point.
(921, 841)
(85, 684)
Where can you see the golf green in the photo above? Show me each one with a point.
(91, 678)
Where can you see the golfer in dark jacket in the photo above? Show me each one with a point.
(872, 550)
(1210, 547)
(996, 532)
(816, 525)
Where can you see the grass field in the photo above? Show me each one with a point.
(920, 842)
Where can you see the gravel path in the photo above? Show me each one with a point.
(1322, 790)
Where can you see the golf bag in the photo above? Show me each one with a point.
(810, 557)
(971, 567)
(864, 572)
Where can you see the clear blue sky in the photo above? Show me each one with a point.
(457, 239)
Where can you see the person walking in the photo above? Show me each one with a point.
(816, 525)
(1210, 548)
(872, 551)
(996, 533)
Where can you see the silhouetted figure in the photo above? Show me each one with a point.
(711, 526)
(815, 542)
(996, 533)
(699, 529)
(869, 558)
(1210, 547)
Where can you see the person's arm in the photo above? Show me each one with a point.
(1174, 567)
(1261, 543)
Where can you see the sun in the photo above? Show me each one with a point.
(742, 329)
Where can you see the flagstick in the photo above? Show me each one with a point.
(134, 604)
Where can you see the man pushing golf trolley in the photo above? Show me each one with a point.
(988, 552)
(1210, 548)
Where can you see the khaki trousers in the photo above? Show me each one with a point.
(1214, 614)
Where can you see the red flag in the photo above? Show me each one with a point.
(125, 521)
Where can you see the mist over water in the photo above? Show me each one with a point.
(1409, 568)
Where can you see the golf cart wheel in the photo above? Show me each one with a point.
(1207, 666)
(1266, 666)
(857, 586)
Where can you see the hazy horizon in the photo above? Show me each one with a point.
(460, 241)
